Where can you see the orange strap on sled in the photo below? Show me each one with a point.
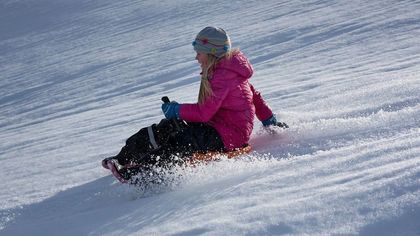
(214, 155)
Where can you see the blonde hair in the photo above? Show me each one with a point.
(207, 73)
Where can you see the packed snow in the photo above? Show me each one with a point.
(79, 77)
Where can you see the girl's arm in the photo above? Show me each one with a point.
(205, 111)
(262, 110)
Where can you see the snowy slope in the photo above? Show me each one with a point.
(79, 77)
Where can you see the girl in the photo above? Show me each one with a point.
(221, 120)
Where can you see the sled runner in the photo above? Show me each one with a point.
(213, 156)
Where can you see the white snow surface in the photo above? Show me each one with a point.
(79, 77)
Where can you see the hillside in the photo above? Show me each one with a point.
(79, 77)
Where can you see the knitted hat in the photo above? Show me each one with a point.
(212, 40)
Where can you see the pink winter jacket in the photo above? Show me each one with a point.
(233, 105)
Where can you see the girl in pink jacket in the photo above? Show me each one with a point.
(227, 101)
(222, 119)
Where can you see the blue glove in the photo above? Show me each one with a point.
(270, 121)
(273, 121)
(171, 110)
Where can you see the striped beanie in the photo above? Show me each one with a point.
(212, 40)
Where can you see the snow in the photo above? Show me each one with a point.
(79, 77)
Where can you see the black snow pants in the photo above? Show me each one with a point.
(169, 142)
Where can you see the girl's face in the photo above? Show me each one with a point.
(202, 59)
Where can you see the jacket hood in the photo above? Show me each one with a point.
(239, 64)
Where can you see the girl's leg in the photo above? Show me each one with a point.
(197, 137)
(148, 142)
(174, 140)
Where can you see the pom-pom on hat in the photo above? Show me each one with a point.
(212, 40)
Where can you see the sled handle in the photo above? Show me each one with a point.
(165, 99)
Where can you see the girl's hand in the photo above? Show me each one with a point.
(273, 121)
(171, 110)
